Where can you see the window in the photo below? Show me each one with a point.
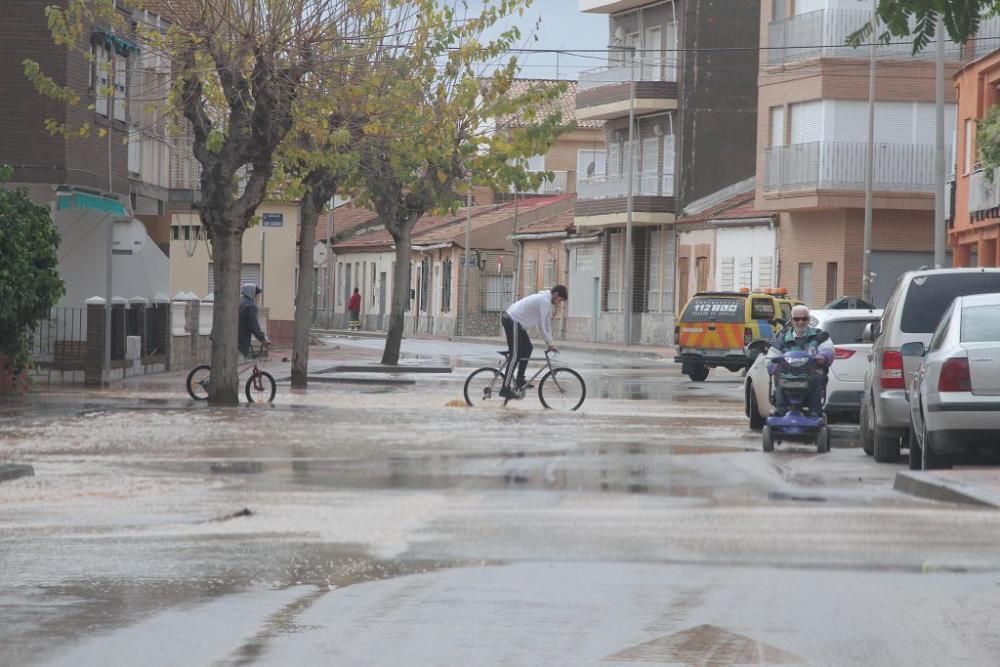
(121, 80)
(584, 259)
(929, 296)
(590, 163)
(531, 277)
(614, 277)
(550, 274)
(249, 273)
(807, 122)
(762, 309)
(806, 283)
(831, 281)
(727, 274)
(101, 81)
(970, 144)
(847, 332)
(683, 279)
(446, 286)
(778, 9)
(535, 163)
(980, 324)
(777, 126)
(937, 340)
(347, 282)
(499, 293)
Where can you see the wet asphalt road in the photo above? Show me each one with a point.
(387, 526)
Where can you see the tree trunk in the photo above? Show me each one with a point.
(227, 258)
(308, 215)
(400, 296)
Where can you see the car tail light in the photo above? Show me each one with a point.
(747, 336)
(841, 353)
(892, 370)
(677, 335)
(955, 375)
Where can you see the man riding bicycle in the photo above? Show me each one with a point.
(249, 324)
(531, 311)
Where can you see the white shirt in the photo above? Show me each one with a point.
(535, 311)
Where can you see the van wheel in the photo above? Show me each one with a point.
(865, 429)
(886, 447)
(757, 420)
(698, 373)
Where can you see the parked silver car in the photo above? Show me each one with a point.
(955, 394)
(914, 310)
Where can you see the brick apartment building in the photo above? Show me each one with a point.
(694, 106)
(812, 138)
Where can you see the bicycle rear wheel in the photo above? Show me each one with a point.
(261, 388)
(197, 382)
(483, 386)
(562, 389)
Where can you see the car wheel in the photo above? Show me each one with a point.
(698, 373)
(767, 439)
(885, 447)
(757, 420)
(823, 440)
(916, 459)
(864, 429)
(931, 459)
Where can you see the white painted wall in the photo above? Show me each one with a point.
(750, 251)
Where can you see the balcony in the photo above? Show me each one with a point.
(604, 200)
(841, 166)
(606, 92)
(823, 34)
(558, 186)
(984, 193)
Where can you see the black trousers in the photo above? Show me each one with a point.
(519, 346)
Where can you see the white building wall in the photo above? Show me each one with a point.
(745, 258)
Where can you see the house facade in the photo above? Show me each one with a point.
(975, 230)
(678, 99)
(812, 142)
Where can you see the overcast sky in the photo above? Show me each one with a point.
(562, 26)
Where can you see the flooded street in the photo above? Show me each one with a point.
(376, 520)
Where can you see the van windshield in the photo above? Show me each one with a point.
(714, 309)
(929, 296)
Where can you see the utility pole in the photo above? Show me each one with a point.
(939, 166)
(465, 260)
(866, 262)
(627, 278)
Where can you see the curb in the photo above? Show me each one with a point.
(9, 471)
(932, 487)
(575, 347)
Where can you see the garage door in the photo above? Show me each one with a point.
(249, 273)
(888, 266)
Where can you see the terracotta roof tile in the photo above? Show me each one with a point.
(566, 104)
(562, 222)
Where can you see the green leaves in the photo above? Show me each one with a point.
(29, 282)
(917, 20)
(988, 140)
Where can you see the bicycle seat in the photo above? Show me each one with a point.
(503, 353)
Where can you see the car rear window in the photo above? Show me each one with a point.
(846, 332)
(980, 324)
(929, 296)
(714, 309)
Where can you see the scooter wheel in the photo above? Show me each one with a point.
(767, 439)
(823, 440)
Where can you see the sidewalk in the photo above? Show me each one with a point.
(643, 351)
(976, 486)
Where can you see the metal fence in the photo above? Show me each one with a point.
(823, 33)
(984, 193)
(59, 345)
(634, 69)
(841, 166)
(603, 187)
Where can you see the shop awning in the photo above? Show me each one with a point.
(66, 201)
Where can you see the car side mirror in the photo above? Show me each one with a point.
(915, 349)
(868, 335)
(755, 349)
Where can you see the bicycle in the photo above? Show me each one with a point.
(561, 388)
(260, 386)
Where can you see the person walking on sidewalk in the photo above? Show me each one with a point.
(249, 325)
(531, 311)
(354, 306)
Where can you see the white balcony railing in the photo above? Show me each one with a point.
(636, 69)
(824, 33)
(841, 166)
(984, 193)
(603, 187)
(559, 185)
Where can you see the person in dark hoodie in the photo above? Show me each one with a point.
(249, 324)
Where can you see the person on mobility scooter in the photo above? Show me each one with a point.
(799, 358)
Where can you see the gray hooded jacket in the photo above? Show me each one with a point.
(249, 325)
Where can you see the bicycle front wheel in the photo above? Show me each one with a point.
(261, 388)
(197, 382)
(562, 389)
(483, 386)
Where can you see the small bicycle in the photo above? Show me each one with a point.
(260, 386)
(561, 388)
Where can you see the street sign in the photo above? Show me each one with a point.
(319, 255)
(273, 219)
